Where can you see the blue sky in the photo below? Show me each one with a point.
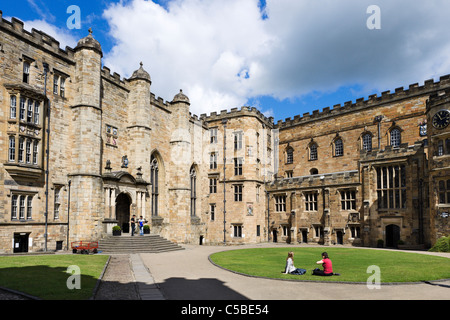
(284, 57)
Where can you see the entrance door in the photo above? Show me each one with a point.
(304, 236)
(21, 242)
(275, 233)
(392, 235)
(339, 237)
(123, 205)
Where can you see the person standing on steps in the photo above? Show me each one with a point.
(133, 225)
(141, 222)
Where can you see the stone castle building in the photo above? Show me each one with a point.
(82, 150)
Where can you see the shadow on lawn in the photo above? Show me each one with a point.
(46, 283)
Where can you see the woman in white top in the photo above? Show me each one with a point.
(290, 268)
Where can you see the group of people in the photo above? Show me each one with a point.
(140, 222)
(325, 262)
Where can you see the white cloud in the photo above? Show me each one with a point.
(221, 53)
(63, 36)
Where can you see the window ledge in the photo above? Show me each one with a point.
(24, 172)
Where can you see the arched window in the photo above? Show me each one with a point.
(193, 175)
(396, 138)
(313, 151)
(154, 173)
(367, 142)
(289, 156)
(338, 148)
(313, 171)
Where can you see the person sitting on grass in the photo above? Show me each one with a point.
(327, 267)
(290, 268)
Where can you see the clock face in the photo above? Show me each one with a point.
(441, 119)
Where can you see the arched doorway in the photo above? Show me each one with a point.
(123, 207)
(392, 235)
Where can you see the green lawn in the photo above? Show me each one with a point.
(45, 276)
(352, 264)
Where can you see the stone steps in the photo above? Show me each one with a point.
(137, 244)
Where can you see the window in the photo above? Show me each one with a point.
(355, 232)
(290, 156)
(55, 84)
(367, 142)
(391, 187)
(154, 173)
(313, 152)
(280, 203)
(318, 231)
(338, 148)
(213, 160)
(14, 199)
(26, 71)
(35, 152)
(348, 200)
(13, 107)
(57, 203)
(258, 191)
(213, 135)
(289, 174)
(238, 193)
(238, 140)
(444, 191)
(30, 111)
(193, 175)
(22, 109)
(213, 185)
(443, 147)
(28, 151)
(212, 211)
(21, 207)
(12, 149)
(311, 201)
(21, 149)
(237, 166)
(237, 231)
(258, 230)
(63, 87)
(36, 112)
(396, 138)
(313, 171)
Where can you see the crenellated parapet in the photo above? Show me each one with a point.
(314, 181)
(429, 87)
(37, 38)
(236, 112)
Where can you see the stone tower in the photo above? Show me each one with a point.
(139, 120)
(86, 122)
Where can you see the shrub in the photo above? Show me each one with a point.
(441, 245)
(116, 228)
(146, 227)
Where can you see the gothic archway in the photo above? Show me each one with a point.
(123, 209)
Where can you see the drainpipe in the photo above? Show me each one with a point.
(224, 122)
(47, 153)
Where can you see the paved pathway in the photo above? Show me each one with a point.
(188, 275)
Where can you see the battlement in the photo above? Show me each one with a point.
(429, 87)
(159, 102)
(316, 180)
(236, 112)
(114, 78)
(36, 37)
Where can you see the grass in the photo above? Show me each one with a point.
(352, 264)
(45, 276)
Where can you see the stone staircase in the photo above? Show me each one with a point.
(138, 244)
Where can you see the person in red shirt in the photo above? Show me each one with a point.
(327, 266)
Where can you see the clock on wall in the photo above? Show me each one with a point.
(441, 119)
